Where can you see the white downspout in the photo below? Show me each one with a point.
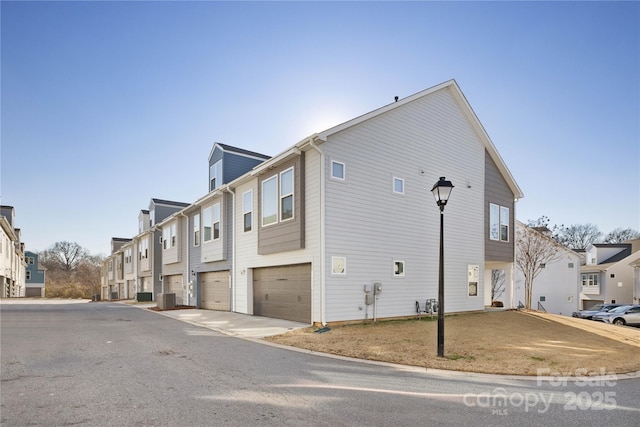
(233, 249)
(322, 234)
(187, 275)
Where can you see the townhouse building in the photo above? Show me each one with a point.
(608, 273)
(35, 276)
(12, 260)
(306, 235)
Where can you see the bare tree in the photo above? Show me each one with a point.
(534, 251)
(65, 256)
(71, 271)
(497, 284)
(578, 236)
(621, 235)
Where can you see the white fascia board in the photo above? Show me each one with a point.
(274, 161)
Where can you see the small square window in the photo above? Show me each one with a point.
(338, 265)
(398, 185)
(398, 268)
(543, 265)
(337, 170)
(613, 276)
(570, 265)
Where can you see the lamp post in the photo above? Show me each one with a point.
(441, 192)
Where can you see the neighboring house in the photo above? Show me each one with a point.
(148, 242)
(35, 276)
(12, 263)
(130, 273)
(113, 281)
(556, 288)
(608, 275)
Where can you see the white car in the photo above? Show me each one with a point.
(629, 316)
(604, 315)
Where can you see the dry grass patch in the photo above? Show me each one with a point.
(506, 342)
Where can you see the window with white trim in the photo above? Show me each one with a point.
(216, 221)
(211, 222)
(196, 230)
(166, 237)
(278, 198)
(338, 265)
(206, 223)
(247, 210)
(28, 277)
(398, 268)
(286, 195)
(398, 185)
(498, 223)
(337, 170)
(174, 228)
(215, 175)
(590, 280)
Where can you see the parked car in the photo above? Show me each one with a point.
(629, 316)
(602, 316)
(588, 314)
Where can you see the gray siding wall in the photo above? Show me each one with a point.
(497, 192)
(235, 165)
(37, 276)
(287, 235)
(371, 226)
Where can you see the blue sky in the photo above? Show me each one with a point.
(108, 104)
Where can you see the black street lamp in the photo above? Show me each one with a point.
(441, 192)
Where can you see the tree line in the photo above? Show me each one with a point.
(71, 271)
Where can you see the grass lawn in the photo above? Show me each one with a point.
(504, 342)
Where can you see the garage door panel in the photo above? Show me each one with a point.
(215, 290)
(283, 292)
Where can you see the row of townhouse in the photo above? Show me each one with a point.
(12, 257)
(304, 235)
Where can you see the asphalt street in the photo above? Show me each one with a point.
(107, 364)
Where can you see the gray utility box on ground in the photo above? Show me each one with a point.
(166, 301)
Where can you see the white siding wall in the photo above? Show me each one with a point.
(558, 283)
(246, 256)
(372, 227)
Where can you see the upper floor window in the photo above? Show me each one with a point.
(277, 198)
(211, 222)
(216, 221)
(174, 227)
(166, 237)
(590, 279)
(247, 209)
(143, 248)
(30, 260)
(127, 256)
(286, 194)
(28, 277)
(196, 230)
(498, 223)
(215, 175)
(398, 185)
(337, 170)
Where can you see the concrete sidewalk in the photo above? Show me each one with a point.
(229, 323)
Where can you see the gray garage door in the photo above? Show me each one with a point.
(32, 291)
(588, 303)
(283, 292)
(174, 286)
(215, 290)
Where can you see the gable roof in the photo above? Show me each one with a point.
(467, 110)
(169, 203)
(239, 151)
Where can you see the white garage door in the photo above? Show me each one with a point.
(283, 292)
(215, 290)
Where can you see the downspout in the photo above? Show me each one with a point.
(322, 234)
(233, 249)
(187, 275)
